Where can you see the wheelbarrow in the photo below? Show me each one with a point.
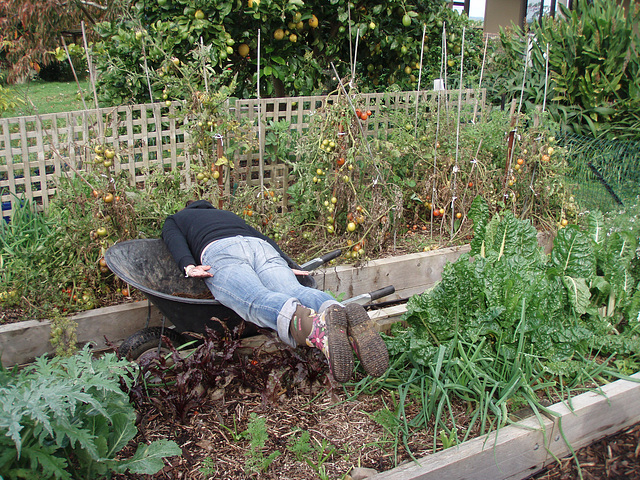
(187, 303)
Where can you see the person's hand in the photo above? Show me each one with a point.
(299, 272)
(198, 271)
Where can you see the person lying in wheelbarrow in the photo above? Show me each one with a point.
(247, 272)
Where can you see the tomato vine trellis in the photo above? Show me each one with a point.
(37, 149)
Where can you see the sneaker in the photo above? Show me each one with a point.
(327, 332)
(366, 341)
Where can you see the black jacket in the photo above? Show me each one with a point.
(187, 232)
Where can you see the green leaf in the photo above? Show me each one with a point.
(619, 252)
(50, 464)
(632, 311)
(479, 214)
(572, 254)
(124, 429)
(148, 459)
(605, 110)
(224, 9)
(512, 237)
(595, 226)
(579, 294)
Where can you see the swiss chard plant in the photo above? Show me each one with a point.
(68, 418)
(506, 286)
(508, 324)
(483, 294)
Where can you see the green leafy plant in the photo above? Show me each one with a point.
(69, 418)
(8, 101)
(448, 439)
(207, 467)
(302, 447)
(589, 92)
(615, 289)
(508, 324)
(257, 434)
(510, 272)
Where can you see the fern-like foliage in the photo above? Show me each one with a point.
(66, 418)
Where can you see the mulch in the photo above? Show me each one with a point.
(345, 432)
(11, 315)
(615, 457)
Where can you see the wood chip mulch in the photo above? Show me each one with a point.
(11, 315)
(346, 431)
(616, 457)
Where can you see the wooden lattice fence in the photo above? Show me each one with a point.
(36, 150)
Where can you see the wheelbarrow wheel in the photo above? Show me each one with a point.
(147, 340)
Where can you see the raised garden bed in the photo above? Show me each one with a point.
(23, 341)
(516, 451)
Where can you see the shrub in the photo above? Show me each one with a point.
(8, 101)
(594, 67)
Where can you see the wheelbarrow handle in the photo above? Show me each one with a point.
(316, 262)
(382, 292)
(365, 298)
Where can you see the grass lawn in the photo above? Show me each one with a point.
(48, 97)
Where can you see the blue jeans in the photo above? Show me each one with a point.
(252, 279)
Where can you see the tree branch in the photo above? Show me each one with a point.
(92, 4)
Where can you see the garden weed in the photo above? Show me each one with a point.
(301, 446)
(256, 432)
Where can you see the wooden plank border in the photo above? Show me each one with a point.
(595, 414)
(506, 454)
(22, 342)
(518, 451)
(409, 274)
